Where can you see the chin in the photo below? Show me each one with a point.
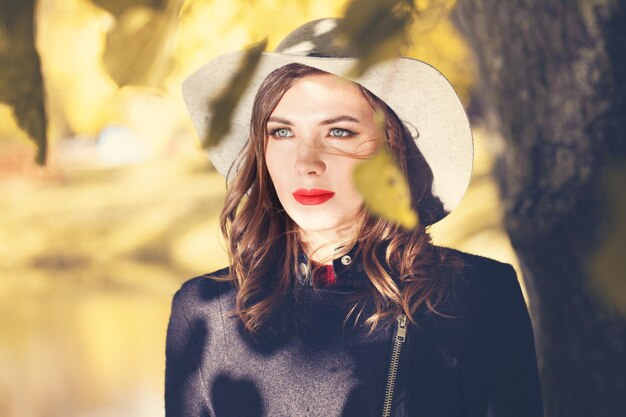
(321, 221)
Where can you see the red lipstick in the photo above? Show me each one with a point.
(313, 196)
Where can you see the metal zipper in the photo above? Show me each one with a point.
(393, 364)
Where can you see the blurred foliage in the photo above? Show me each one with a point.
(80, 95)
(223, 106)
(385, 189)
(91, 48)
(21, 84)
(140, 46)
(118, 7)
(376, 30)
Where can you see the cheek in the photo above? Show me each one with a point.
(342, 176)
(275, 163)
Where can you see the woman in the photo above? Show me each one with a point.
(327, 309)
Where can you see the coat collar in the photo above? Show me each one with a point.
(348, 268)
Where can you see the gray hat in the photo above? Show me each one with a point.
(419, 94)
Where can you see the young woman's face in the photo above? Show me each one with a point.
(321, 128)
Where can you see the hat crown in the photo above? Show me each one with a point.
(318, 38)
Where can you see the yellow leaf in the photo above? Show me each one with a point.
(223, 105)
(140, 47)
(385, 189)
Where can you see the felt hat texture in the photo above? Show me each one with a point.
(419, 95)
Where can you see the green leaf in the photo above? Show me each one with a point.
(21, 83)
(225, 103)
(139, 48)
(385, 189)
(377, 30)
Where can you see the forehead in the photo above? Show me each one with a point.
(323, 93)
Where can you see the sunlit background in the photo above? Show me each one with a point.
(93, 246)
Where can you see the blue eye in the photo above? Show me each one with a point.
(281, 132)
(338, 132)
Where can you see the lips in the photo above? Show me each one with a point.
(313, 196)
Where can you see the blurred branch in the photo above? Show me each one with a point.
(21, 84)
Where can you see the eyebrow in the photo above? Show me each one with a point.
(344, 118)
(279, 120)
(340, 119)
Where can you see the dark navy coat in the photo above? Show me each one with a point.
(307, 362)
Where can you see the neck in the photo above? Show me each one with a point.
(320, 245)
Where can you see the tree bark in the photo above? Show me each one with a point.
(553, 84)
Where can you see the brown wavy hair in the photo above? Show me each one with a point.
(263, 242)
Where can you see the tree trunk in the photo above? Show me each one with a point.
(553, 84)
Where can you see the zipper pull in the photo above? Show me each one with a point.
(401, 334)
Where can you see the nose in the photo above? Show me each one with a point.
(309, 159)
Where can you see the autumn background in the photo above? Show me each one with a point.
(94, 244)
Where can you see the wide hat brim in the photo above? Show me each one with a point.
(419, 94)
